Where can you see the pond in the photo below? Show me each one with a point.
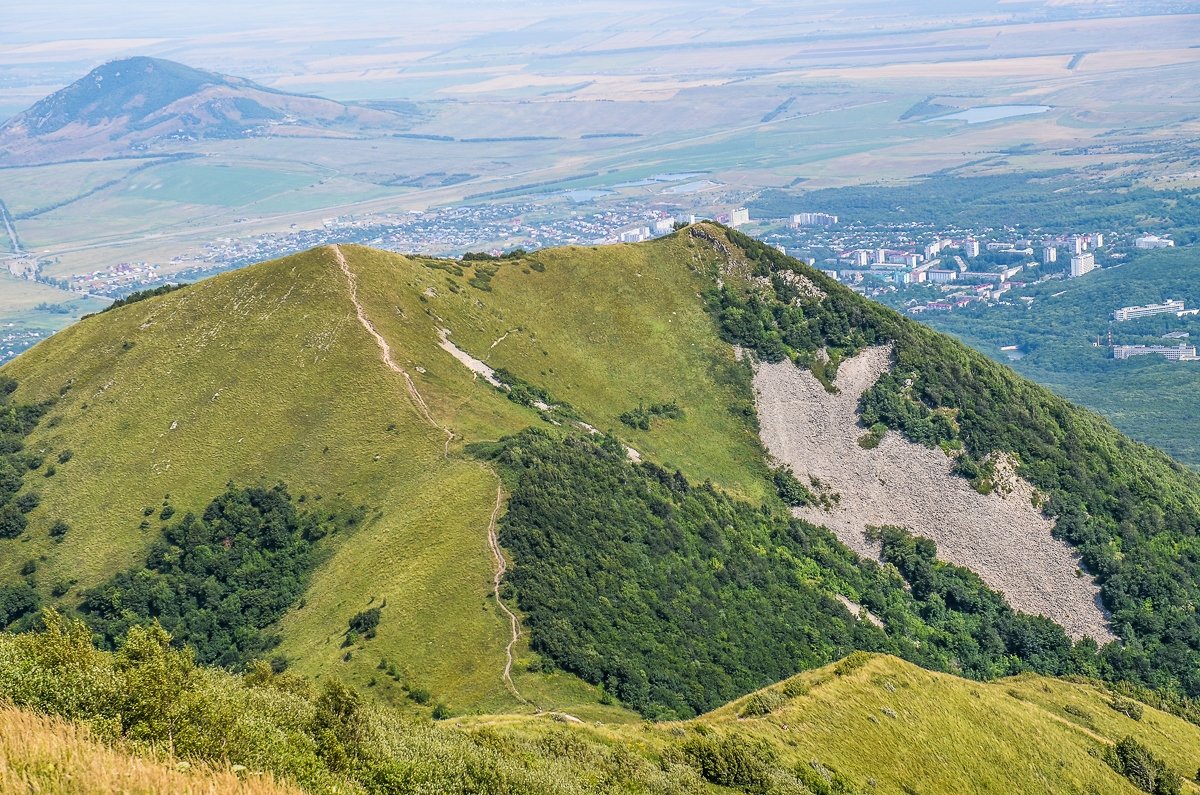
(992, 113)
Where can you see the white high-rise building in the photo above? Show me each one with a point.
(1078, 243)
(739, 217)
(1049, 254)
(814, 219)
(972, 247)
(1082, 263)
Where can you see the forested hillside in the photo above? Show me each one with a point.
(1132, 512)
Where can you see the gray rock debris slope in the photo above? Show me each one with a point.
(1000, 536)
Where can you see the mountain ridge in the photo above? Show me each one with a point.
(280, 373)
(141, 104)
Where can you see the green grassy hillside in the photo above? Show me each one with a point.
(266, 375)
(868, 724)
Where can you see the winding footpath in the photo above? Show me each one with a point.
(513, 622)
(385, 351)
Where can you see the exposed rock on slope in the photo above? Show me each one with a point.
(1001, 536)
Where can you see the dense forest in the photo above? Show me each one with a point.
(216, 582)
(1132, 512)
(677, 598)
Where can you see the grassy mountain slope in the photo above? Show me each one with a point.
(267, 375)
(915, 731)
(866, 724)
(601, 329)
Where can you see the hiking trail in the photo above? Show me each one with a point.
(385, 351)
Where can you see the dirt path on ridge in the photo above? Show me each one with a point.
(385, 351)
(501, 569)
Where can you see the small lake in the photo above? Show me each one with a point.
(992, 113)
(657, 178)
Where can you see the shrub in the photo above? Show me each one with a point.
(65, 456)
(1126, 706)
(791, 490)
(365, 622)
(762, 703)
(58, 530)
(12, 521)
(852, 662)
(1144, 770)
(28, 501)
(729, 761)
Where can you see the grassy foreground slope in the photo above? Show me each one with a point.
(52, 756)
(868, 724)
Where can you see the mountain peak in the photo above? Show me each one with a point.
(132, 87)
(139, 103)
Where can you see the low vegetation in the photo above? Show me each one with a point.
(641, 417)
(142, 295)
(150, 698)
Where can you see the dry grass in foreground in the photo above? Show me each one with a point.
(48, 755)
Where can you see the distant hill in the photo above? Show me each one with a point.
(136, 104)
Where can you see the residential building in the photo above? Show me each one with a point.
(1096, 240)
(1049, 254)
(739, 217)
(1153, 241)
(939, 276)
(814, 219)
(1132, 312)
(972, 247)
(1175, 353)
(1082, 264)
